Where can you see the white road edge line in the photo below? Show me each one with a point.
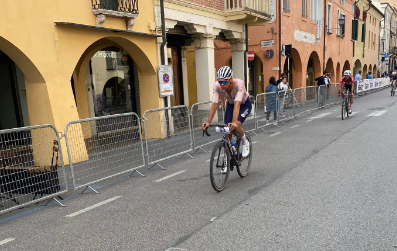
(294, 126)
(255, 142)
(6, 241)
(213, 218)
(380, 113)
(309, 121)
(274, 134)
(93, 206)
(169, 176)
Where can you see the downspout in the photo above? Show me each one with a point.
(279, 38)
(163, 35)
(354, 15)
(325, 32)
(245, 57)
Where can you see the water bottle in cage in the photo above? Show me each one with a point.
(233, 146)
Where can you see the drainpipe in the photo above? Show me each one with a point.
(325, 32)
(245, 57)
(163, 35)
(354, 15)
(279, 38)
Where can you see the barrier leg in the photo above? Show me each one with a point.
(157, 164)
(187, 155)
(57, 201)
(95, 191)
(137, 172)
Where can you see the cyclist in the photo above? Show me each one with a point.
(238, 104)
(347, 83)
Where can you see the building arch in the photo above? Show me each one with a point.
(330, 69)
(370, 69)
(313, 69)
(346, 66)
(256, 83)
(357, 67)
(365, 71)
(375, 71)
(293, 69)
(338, 72)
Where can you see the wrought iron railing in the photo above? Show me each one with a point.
(259, 6)
(127, 6)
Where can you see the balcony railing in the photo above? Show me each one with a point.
(127, 9)
(118, 6)
(261, 7)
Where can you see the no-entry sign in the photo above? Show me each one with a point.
(250, 55)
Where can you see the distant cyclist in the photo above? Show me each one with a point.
(348, 83)
(238, 104)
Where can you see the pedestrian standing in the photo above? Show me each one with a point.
(369, 76)
(271, 99)
(321, 81)
(357, 80)
(282, 85)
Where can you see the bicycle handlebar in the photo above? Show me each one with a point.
(219, 125)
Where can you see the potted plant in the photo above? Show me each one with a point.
(357, 12)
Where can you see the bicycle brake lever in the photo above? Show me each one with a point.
(209, 135)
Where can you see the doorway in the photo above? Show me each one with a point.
(255, 77)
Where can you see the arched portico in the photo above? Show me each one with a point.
(330, 69)
(293, 69)
(338, 72)
(365, 71)
(313, 69)
(357, 67)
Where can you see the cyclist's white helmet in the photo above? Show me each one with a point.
(346, 73)
(224, 73)
(394, 73)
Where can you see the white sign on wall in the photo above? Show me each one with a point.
(166, 85)
(272, 4)
(268, 43)
(304, 37)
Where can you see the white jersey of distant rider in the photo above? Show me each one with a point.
(239, 93)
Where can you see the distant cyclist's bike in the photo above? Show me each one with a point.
(345, 103)
(393, 88)
(225, 157)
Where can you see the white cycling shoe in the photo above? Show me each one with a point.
(224, 170)
(246, 149)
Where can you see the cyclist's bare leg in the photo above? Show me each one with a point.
(238, 129)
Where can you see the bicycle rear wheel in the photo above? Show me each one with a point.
(245, 163)
(347, 107)
(220, 157)
(344, 113)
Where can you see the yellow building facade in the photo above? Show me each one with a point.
(366, 48)
(67, 60)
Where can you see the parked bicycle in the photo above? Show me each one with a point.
(225, 156)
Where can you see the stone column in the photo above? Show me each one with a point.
(205, 65)
(184, 76)
(238, 49)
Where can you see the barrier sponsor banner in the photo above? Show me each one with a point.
(370, 84)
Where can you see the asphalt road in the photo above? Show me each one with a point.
(316, 183)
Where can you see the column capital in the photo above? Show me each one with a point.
(203, 40)
(238, 44)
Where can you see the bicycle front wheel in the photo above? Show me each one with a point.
(220, 158)
(245, 163)
(344, 113)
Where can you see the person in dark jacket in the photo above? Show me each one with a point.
(271, 100)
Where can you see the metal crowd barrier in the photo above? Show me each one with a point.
(266, 103)
(311, 103)
(250, 121)
(286, 105)
(32, 168)
(300, 101)
(167, 133)
(103, 147)
(199, 114)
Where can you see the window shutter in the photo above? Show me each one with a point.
(363, 34)
(354, 30)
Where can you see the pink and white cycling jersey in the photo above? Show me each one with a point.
(239, 93)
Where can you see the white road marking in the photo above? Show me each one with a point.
(213, 218)
(169, 176)
(380, 113)
(308, 121)
(255, 142)
(6, 241)
(353, 113)
(93, 206)
(210, 159)
(274, 134)
(372, 114)
(294, 126)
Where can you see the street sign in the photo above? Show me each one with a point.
(250, 55)
(386, 55)
(166, 85)
(269, 53)
(267, 43)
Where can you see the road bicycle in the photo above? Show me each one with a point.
(226, 156)
(345, 103)
(393, 88)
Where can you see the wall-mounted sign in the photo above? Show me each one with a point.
(273, 12)
(304, 37)
(269, 53)
(250, 55)
(268, 43)
(166, 85)
(283, 50)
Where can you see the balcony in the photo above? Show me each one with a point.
(248, 11)
(126, 9)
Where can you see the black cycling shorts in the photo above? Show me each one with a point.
(245, 110)
(349, 88)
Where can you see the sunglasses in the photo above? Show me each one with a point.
(223, 82)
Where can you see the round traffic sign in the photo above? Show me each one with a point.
(166, 78)
(250, 55)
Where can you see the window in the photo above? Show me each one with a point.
(354, 30)
(286, 6)
(342, 26)
(341, 2)
(329, 18)
(304, 8)
(316, 10)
